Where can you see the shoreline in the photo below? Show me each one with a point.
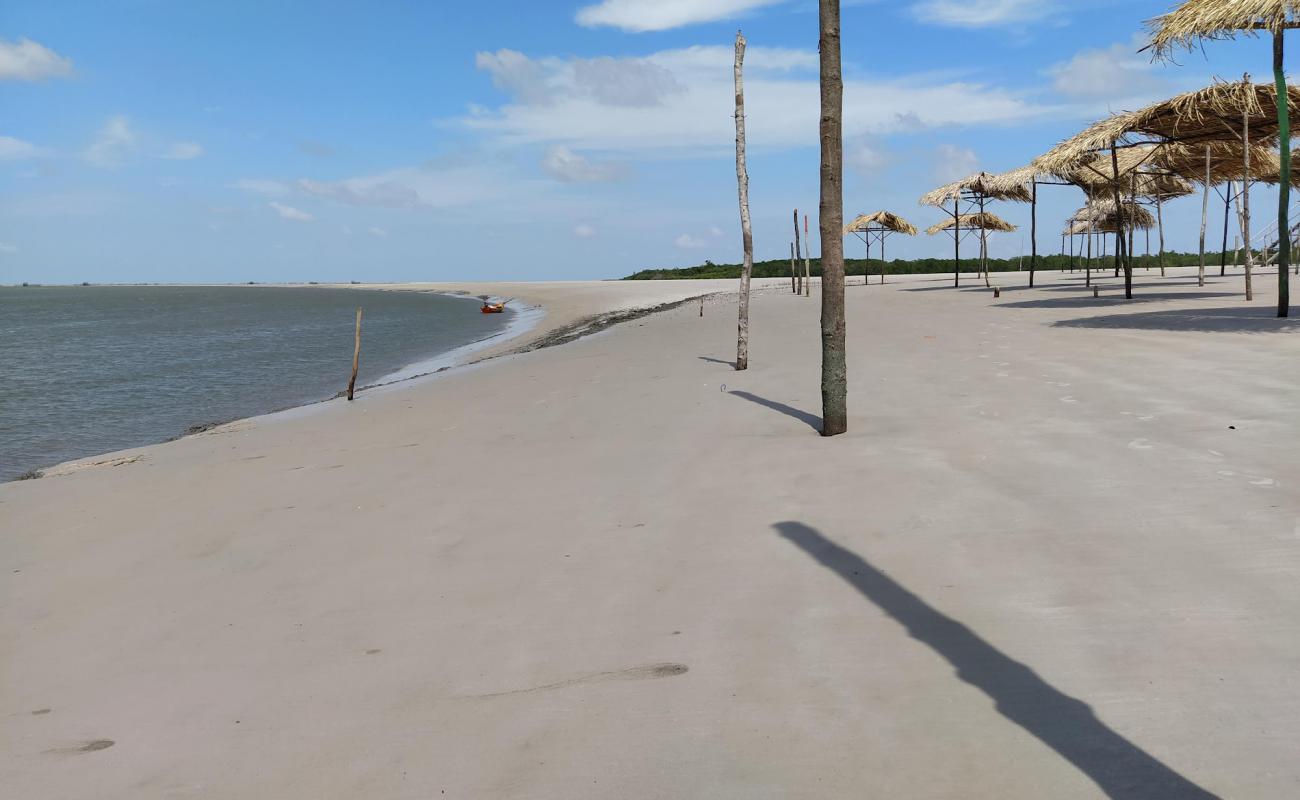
(535, 327)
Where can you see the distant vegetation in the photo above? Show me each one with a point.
(781, 268)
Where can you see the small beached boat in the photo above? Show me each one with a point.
(490, 307)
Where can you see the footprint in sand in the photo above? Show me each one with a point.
(1141, 444)
(645, 672)
(1068, 399)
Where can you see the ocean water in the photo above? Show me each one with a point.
(90, 369)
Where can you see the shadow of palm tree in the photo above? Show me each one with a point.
(790, 411)
(1239, 319)
(1120, 768)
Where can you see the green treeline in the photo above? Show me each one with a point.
(856, 266)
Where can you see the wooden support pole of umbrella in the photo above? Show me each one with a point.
(1205, 209)
(1033, 232)
(798, 283)
(1120, 258)
(1284, 177)
(1245, 196)
(1227, 209)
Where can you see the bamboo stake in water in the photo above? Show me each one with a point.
(356, 357)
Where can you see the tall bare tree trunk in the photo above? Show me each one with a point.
(1284, 178)
(798, 283)
(742, 182)
(1245, 202)
(1205, 210)
(835, 415)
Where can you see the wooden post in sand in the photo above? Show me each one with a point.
(798, 245)
(807, 260)
(1245, 199)
(356, 357)
(747, 236)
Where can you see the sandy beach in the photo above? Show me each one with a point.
(1056, 555)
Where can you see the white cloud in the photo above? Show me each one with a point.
(565, 165)
(782, 98)
(289, 212)
(689, 242)
(953, 163)
(659, 15)
(607, 81)
(5, 247)
(25, 60)
(377, 232)
(12, 149)
(1115, 72)
(378, 191)
(112, 144)
(715, 231)
(183, 151)
(984, 13)
(262, 186)
(865, 156)
(584, 231)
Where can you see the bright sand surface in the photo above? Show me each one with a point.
(1056, 556)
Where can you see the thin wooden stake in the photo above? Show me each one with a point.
(807, 260)
(356, 357)
(747, 235)
(798, 289)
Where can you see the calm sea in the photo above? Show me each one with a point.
(87, 370)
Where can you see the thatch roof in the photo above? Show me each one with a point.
(1195, 20)
(981, 183)
(881, 219)
(981, 221)
(1212, 114)
(1100, 215)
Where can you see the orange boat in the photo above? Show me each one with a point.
(493, 308)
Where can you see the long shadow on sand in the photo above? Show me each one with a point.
(712, 360)
(1087, 300)
(790, 411)
(1240, 319)
(1120, 768)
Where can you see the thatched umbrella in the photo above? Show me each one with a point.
(1197, 20)
(981, 221)
(1222, 117)
(878, 224)
(974, 190)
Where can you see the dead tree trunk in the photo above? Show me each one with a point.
(835, 415)
(747, 235)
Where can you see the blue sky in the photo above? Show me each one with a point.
(146, 140)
